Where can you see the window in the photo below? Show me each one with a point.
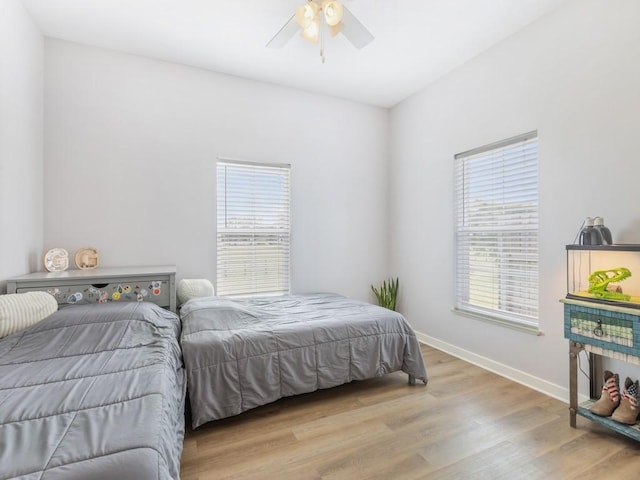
(496, 221)
(253, 228)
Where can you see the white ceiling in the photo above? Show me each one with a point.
(416, 41)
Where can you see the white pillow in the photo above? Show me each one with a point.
(21, 310)
(189, 288)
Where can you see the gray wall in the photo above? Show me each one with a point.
(574, 77)
(21, 85)
(130, 150)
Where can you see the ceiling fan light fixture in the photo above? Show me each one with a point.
(307, 14)
(335, 29)
(333, 12)
(308, 19)
(310, 33)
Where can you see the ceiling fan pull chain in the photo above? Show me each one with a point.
(321, 33)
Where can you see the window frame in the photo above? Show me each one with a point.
(504, 230)
(258, 238)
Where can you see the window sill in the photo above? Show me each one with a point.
(521, 327)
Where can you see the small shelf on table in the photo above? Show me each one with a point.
(631, 431)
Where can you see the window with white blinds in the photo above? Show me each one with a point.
(496, 221)
(253, 228)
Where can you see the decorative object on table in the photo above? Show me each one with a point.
(589, 235)
(56, 260)
(610, 397)
(627, 411)
(601, 283)
(387, 294)
(87, 258)
(604, 274)
(605, 233)
(594, 232)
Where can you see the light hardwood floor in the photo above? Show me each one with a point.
(467, 423)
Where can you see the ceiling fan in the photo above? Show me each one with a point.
(309, 18)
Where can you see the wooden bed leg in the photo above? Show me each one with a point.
(412, 380)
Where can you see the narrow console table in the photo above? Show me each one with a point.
(102, 285)
(603, 331)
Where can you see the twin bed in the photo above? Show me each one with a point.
(98, 391)
(93, 392)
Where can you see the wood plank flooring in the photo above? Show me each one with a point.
(467, 423)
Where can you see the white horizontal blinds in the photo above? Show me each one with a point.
(253, 228)
(497, 230)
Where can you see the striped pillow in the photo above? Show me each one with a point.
(21, 310)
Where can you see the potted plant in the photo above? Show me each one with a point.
(387, 293)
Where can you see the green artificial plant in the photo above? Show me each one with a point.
(387, 294)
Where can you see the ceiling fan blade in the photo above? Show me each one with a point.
(355, 32)
(287, 31)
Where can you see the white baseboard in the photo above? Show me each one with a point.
(556, 391)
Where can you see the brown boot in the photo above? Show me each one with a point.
(627, 412)
(610, 396)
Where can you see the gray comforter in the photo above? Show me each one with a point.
(93, 392)
(240, 354)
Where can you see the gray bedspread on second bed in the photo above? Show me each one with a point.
(240, 354)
